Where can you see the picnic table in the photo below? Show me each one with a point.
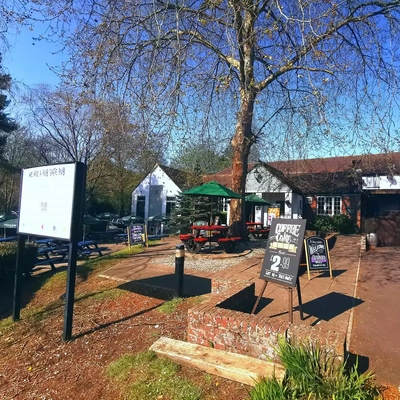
(203, 234)
(257, 230)
(87, 247)
(51, 255)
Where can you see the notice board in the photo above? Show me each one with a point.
(317, 254)
(47, 199)
(283, 252)
(137, 233)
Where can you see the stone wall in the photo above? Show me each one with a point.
(224, 322)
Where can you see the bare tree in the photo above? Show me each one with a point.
(313, 71)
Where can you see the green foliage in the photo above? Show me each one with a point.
(170, 306)
(8, 258)
(153, 377)
(338, 223)
(7, 125)
(189, 210)
(269, 389)
(314, 375)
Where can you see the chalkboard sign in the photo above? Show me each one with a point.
(283, 253)
(137, 233)
(317, 254)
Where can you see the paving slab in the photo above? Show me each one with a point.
(376, 330)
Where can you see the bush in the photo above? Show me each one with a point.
(8, 258)
(314, 375)
(340, 223)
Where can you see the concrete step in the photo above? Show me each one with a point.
(236, 367)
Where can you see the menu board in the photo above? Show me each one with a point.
(317, 254)
(283, 253)
(137, 233)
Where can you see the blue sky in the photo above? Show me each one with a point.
(29, 61)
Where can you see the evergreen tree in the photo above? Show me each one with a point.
(7, 125)
(189, 210)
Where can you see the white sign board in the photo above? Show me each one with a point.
(46, 201)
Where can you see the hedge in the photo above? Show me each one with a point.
(8, 258)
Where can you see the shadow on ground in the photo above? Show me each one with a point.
(165, 285)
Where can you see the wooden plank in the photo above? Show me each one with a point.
(236, 367)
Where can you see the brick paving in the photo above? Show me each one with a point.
(332, 304)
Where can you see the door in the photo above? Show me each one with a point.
(155, 200)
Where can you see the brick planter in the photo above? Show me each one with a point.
(224, 322)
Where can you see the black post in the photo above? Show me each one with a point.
(18, 278)
(179, 268)
(76, 234)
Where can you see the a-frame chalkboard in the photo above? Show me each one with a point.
(317, 255)
(282, 257)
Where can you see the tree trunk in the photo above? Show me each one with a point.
(241, 145)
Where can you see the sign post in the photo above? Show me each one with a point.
(282, 258)
(51, 205)
(317, 255)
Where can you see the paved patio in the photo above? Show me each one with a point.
(331, 303)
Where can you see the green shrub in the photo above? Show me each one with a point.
(314, 375)
(324, 223)
(344, 224)
(8, 258)
(340, 223)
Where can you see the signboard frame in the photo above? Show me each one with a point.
(72, 218)
(317, 251)
(47, 200)
(283, 257)
(132, 231)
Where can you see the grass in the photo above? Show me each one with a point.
(170, 306)
(154, 378)
(314, 375)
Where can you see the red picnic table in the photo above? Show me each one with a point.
(202, 234)
(257, 229)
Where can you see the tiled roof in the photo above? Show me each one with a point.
(178, 176)
(333, 174)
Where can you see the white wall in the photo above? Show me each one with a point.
(384, 182)
(260, 180)
(156, 177)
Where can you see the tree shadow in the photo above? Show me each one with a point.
(30, 285)
(329, 306)
(162, 286)
(102, 326)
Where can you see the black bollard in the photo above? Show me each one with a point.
(179, 268)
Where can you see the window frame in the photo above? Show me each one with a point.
(329, 209)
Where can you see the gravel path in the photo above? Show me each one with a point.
(215, 265)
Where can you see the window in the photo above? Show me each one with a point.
(329, 205)
(372, 181)
(140, 205)
(171, 204)
(281, 204)
(223, 204)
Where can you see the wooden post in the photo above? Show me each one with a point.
(329, 257)
(308, 267)
(259, 297)
(299, 298)
(291, 305)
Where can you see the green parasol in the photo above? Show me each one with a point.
(253, 198)
(213, 189)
